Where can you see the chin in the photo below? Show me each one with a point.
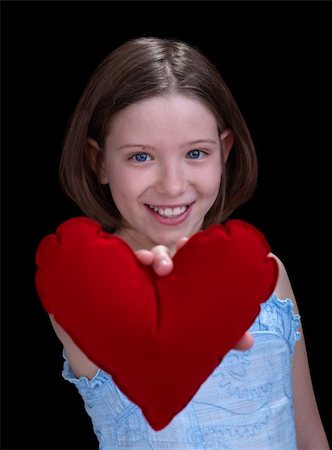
(167, 241)
(170, 238)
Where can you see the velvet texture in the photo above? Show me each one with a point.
(152, 334)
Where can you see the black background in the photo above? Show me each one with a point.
(275, 58)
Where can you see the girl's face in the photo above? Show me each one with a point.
(162, 162)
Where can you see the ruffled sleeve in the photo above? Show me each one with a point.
(277, 316)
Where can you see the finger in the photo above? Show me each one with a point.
(162, 263)
(180, 243)
(163, 267)
(245, 343)
(145, 257)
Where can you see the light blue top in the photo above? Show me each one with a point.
(245, 404)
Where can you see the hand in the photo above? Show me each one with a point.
(160, 258)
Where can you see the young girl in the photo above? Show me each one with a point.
(157, 150)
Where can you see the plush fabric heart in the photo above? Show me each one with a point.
(159, 337)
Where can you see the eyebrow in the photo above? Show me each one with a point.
(197, 141)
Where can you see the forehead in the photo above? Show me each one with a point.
(176, 115)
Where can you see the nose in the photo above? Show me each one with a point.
(172, 179)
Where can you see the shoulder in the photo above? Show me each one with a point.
(283, 287)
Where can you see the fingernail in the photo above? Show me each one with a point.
(164, 262)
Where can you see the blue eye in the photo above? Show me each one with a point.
(141, 157)
(195, 154)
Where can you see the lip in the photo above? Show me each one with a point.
(170, 221)
(171, 206)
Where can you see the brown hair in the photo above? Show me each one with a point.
(139, 69)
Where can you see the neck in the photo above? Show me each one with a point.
(138, 242)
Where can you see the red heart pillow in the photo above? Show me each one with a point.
(159, 337)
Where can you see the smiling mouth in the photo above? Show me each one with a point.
(169, 212)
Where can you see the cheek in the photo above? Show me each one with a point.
(116, 173)
(116, 185)
(125, 187)
(211, 181)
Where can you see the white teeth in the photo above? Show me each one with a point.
(169, 212)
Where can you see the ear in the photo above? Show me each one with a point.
(97, 161)
(227, 140)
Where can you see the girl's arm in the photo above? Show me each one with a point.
(79, 362)
(309, 428)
